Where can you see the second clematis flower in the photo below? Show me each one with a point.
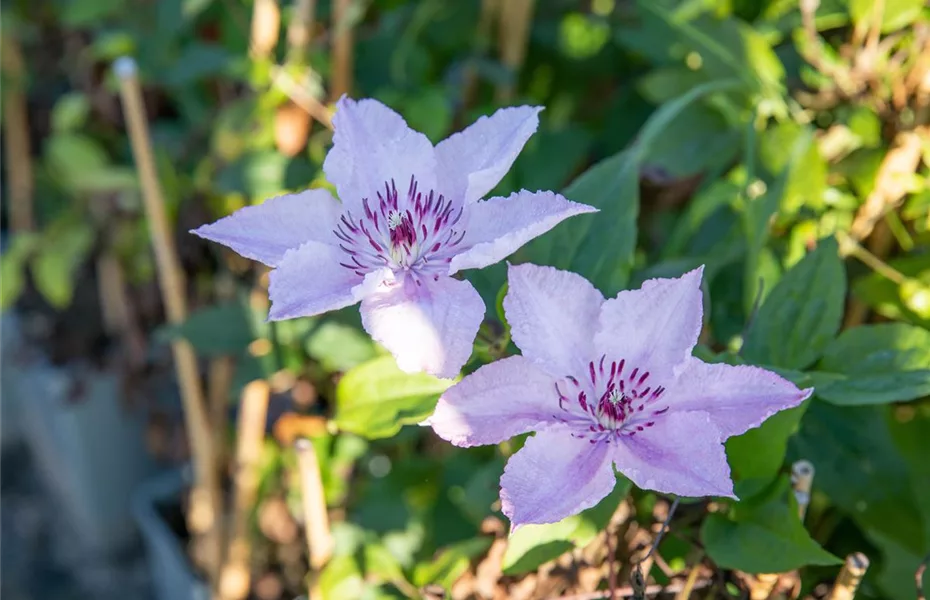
(411, 216)
(606, 384)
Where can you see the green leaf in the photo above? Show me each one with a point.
(532, 545)
(222, 329)
(450, 563)
(896, 14)
(341, 578)
(703, 141)
(74, 159)
(375, 399)
(63, 249)
(601, 246)
(884, 296)
(70, 112)
(765, 538)
(12, 267)
(759, 453)
(889, 362)
(339, 347)
(860, 468)
(802, 313)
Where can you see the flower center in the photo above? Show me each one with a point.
(612, 400)
(415, 234)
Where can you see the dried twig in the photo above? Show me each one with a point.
(253, 412)
(891, 181)
(847, 582)
(205, 508)
(629, 592)
(16, 147)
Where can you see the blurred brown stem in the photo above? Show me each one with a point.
(513, 35)
(300, 31)
(205, 503)
(16, 124)
(301, 97)
(253, 414)
(341, 82)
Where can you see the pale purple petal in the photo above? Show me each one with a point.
(499, 226)
(373, 145)
(555, 476)
(552, 316)
(475, 159)
(654, 327)
(265, 232)
(430, 327)
(682, 454)
(310, 280)
(498, 401)
(737, 398)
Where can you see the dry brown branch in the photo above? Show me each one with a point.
(205, 503)
(16, 148)
(892, 182)
(253, 411)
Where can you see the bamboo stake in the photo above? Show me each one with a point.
(18, 155)
(850, 577)
(513, 35)
(253, 413)
(802, 478)
(341, 79)
(266, 27)
(205, 507)
(300, 31)
(316, 519)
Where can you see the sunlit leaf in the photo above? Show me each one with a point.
(376, 398)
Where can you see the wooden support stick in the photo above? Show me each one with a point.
(316, 518)
(266, 27)
(802, 479)
(205, 503)
(300, 31)
(847, 582)
(253, 413)
(16, 126)
(514, 32)
(341, 82)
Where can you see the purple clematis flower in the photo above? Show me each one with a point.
(410, 217)
(604, 384)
